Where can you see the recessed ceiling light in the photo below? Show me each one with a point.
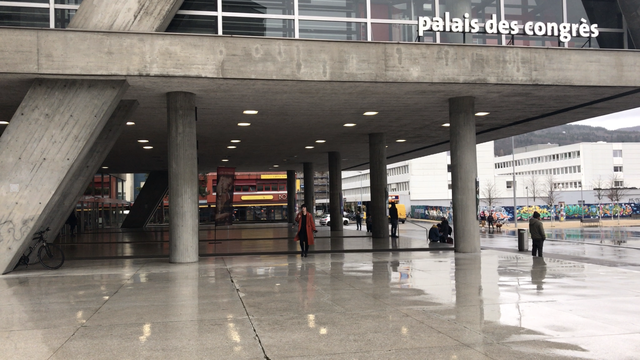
(276, 165)
(231, 147)
(308, 147)
(235, 141)
(370, 113)
(4, 123)
(321, 141)
(349, 124)
(244, 124)
(446, 124)
(147, 147)
(250, 112)
(143, 141)
(482, 113)
(105, 167)
(225, 160)
(130, 123)
(401, 140)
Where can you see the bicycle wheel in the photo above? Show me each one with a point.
(51, 256)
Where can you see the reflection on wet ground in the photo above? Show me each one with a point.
(272, 238)
(376, 305)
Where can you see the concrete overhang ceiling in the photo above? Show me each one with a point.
(293, 114)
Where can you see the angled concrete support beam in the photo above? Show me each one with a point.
(76, 181)
(151, 194)
(54, 127)
(335, 190)
(125, 15)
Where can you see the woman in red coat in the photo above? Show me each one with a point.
(306, 228)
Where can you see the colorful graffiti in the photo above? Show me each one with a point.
(558, 212)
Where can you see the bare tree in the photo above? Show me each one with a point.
(551, 193)
(616, 191)
(534, 186)
(490, 194)
(599, 189)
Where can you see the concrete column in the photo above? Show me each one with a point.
(291, 196)
(309, 198)
(183, 177)
(457, 9)
(335, 190)
(379, 195)
(151, 194)
(125, 15)
(464, 170)
(50, 133)
(77, 180)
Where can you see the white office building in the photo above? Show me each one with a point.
(573, 169)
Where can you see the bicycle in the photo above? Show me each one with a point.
(50, 255)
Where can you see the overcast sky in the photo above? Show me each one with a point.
(615, 121)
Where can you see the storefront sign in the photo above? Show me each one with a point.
(538, 28)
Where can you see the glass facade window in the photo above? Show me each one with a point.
(200, 5)
(333, 8)
(333, 30)
(388, 20)
(257, 27)
(24, 16)
(271, 7)
(63, 18)
(401, 9)
(194, 24)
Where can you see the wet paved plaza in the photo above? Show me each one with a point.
(579, 302)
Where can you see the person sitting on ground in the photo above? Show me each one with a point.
(434, 233)
(445, 230)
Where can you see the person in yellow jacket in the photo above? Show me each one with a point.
(306, 228)
(536, 229)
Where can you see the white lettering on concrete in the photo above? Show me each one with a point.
(565, 31)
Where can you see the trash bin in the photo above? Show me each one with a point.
(523, 240)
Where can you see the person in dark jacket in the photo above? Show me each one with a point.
(369, 221)
(393, 217)
(537, 234)
(72, 221)
(434, 234)
(490, 219)
(358, 221)
(306, 228)
(445, 230)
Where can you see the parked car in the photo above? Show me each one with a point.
(326, 220)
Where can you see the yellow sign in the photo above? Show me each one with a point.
(273, 176)
(297, 184)
(257, 197)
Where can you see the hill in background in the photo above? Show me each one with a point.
(566, 135)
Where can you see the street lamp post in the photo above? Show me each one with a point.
(527, 188)
(581, 202)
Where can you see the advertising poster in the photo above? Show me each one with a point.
(224, 196)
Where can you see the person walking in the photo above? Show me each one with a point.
(306, 229)
(393, 216)
(537, 234)
(358, 221)
(72, 221)
(490, 220)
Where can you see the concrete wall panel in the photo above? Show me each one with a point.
(76, 53)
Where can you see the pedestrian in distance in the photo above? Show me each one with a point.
(490, 220)
(393, 216)
(369, 222)
(434, 234)
(358, 221)
(445, 230)
(72, 221)
(306, 229)
(537, 234)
